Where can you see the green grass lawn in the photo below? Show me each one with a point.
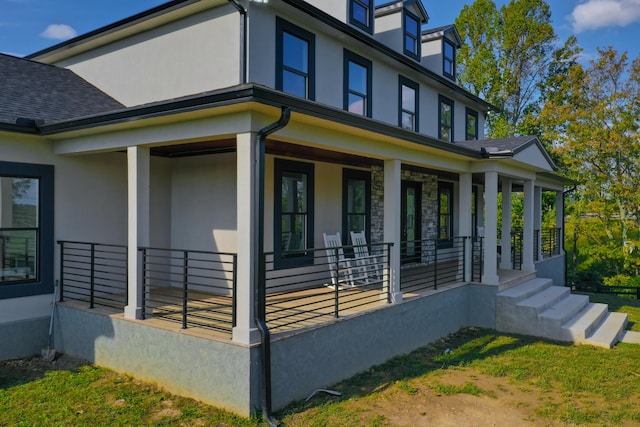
(550, 382)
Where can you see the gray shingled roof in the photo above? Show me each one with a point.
(34, 90)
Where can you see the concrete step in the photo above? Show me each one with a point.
(525, 290)
(630, 337)
(585, 322)
(545, 299)
(565, 309)
(609, 331)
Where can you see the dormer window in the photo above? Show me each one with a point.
(411, 35)
(361, 14)
(449, 59)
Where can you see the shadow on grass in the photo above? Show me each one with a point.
(459, 349)
(22, 371)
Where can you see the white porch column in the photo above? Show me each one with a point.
(245, 330)
(527, 232)
(506, 262)
(490, 275)
(464, 219)
(392, 204)
(537, 222)
(138, 183)
(560, 218)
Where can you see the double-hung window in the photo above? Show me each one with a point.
(408, 101)
(357, 84)
(412, 31)
(361, 14)
(26, 229)
(445, 214)
(356, 202)
(445, 117)
(449, 59)
(293, 219)
(295, 60)
(471, 124)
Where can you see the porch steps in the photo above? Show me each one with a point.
(538, 308)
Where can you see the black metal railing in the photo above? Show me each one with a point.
(430, 263)
(516, 248)
(550, 239)
(619, 290)
(477, 256)
(94, 273)
(330, 286)
(195, 288)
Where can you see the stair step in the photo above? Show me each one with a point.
(630, 337)
(545, 299)
(585, 322)
(566, 308)
(609, 331)
(526, 289)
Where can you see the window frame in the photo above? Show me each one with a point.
(448, 241)
(470, 113)
(43, 283)
(446, 59)
(417, 37)
(360, 175)
(283, 26)
(444, 100)
(349, 57)
(403, 81)
(365, 4)
(305, 258)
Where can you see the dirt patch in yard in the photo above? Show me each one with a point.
(20, 371)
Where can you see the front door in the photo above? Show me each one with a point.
(411, 222)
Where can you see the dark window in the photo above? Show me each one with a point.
(445, 214)
(445, 117)
(26, 229)
(357, 84)
(293, 228)
(449, 59)
(295, 60)
(408, 102)
(361, 14)
(356, 203)
(411, 35)
(471, 124)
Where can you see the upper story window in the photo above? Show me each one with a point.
(471, 124)
(445, 117)
(361, 14)
(448, 59)
(408, 101)
(357, 84)
(295, 60)
(411, 35)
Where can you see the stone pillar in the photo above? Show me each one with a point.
(464, 220)
(506, 262)
(527, 232)
(392, 234)
(245, 330)
(490, 275)
(138, 188)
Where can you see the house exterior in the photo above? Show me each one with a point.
(176, 172)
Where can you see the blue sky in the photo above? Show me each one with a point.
(27, 26)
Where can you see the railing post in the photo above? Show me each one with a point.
(61, 243)
(92, 276)
(234, 285)
(185, 277)
(637, 293)
(336, 302)
(388, 269)
(144, 283)
(435, 264)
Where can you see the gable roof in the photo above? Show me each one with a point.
(44, 92)
(440, 32)
(394, 5)
(523, 148)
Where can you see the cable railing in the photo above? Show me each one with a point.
(330, 286)
(194, 288)
(93, 273)
(428, 264)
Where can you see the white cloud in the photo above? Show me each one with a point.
(59, 32)
(595, 14)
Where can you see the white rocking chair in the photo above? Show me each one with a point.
(371, 264)
(343, 271)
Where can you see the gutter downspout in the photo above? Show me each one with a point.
(243, 36)
(260, 286)
(564, 228)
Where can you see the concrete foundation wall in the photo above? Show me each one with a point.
(23, 338)
(554, 269)
(215, 372)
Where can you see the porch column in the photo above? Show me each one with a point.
(527, 232)
(138, 183)
(537, 222)
(560, 219)
(245, 330)
(506, 262)
(392, 203)
(464, 220)
(490, 275)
